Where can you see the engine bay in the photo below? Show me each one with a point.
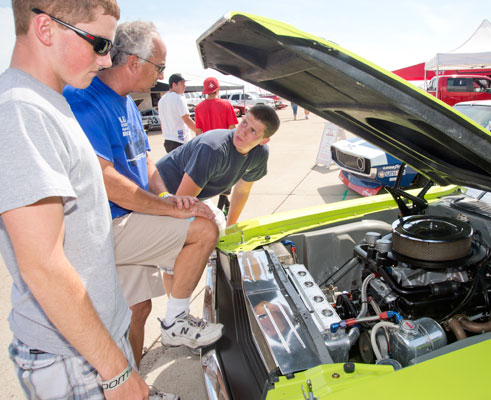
(391, 290)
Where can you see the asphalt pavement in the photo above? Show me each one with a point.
(293, 181)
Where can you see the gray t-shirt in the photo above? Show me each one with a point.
(44, 154)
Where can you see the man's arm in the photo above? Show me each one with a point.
(155, 182)
(37, 233)
(240, 194)
(190, 123)
(232, 126)
(188, 187)
(198, 121)
(127, 194)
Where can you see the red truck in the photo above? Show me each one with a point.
(456, 88)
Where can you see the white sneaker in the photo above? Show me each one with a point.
(154, 395)
(191, 332)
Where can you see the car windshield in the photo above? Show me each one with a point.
(480, 114)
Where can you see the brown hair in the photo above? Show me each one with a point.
(268, 117)
(70, 11)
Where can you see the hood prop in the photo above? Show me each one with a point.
(400, 196)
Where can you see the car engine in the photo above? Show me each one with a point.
(433, 272)
(387, 291)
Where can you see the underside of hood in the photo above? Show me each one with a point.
(353, 93)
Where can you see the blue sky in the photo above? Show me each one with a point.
(392, 34)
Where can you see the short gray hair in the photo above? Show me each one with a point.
(133, 38)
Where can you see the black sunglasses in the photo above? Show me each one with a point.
(101, 45)
(160, 67)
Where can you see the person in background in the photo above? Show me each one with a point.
(212, 163)
(175, 119)
(294, 110)
(215, 113)
(306, 113)
(152, 230)
(69, 317)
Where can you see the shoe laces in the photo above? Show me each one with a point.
(197, 322)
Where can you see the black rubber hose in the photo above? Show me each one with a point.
(400, 290)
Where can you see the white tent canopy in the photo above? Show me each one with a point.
(475, 52)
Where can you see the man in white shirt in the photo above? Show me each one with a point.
(174, 115)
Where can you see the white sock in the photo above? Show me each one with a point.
(176, 307)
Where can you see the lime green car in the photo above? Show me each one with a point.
(383, 297)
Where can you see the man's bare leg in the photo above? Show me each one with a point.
(200, 241)
(168, 279)
(140, 313)
(178, 327)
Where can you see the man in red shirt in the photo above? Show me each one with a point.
(214, 113)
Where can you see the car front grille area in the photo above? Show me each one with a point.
(353, 163)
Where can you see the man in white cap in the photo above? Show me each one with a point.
(213, 113)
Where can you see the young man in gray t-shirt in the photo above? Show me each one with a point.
(68, 316)
(217, 160)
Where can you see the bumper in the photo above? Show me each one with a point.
(360, 186)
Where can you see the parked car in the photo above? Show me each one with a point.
(251, 99)
(278, 104)
(479, 111)
(241, 108)
(366, 169)
(456, 88)
(371, 298)
(150, 118)
(192, 100)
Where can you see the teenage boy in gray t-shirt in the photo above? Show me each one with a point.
(68, 316)
(215, 161)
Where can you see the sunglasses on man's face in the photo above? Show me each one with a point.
(101, 45)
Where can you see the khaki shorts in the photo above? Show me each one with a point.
(144, 244)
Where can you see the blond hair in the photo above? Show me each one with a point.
(70, 11)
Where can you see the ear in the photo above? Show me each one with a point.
(43, 27)
(264, 141)
(133, 63)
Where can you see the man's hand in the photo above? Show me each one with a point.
(37, 233)
(134, 388)
(183, 201)
(187, 206)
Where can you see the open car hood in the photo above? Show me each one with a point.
(353, 93)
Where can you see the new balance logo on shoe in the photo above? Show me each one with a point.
(189, 331)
